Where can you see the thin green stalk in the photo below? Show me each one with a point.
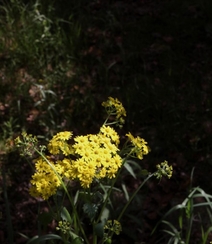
(190, 220)
(133, 195)
(110, 191)
(69, 197)
(188, 235)
(105, 122)
(111, 123)
(106, 199)
(94, 237)
(112, 185)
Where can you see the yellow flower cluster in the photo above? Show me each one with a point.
(89, 157)
(59, 143)
(95, 156)
(139, 148)
(115, 107)
(45, 181)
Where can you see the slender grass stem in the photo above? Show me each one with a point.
(78, 223)
(132, 197)
(110, 191)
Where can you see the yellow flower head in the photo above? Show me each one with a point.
(115, 107)
(45, 181)
(97, 156)
(59, 143)
(140, 147)
(109, 132)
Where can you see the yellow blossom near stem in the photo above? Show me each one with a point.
(44, 185)
(45, 181)
(140, 147)
(97, 157)
(62, 166)
(41, 165)
(63, 136)
(115, 107)
(109, 132)
(33, 191)
(59, 143)
(93, 156)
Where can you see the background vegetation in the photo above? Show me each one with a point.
(60, 59)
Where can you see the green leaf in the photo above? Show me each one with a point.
(98, 196)
(73, 235)
(65, 215)
(125, 191)
(99, 229)
(134, 163)
(24, 236)
(77, 240)
(105, 215)
(129, 169)
(39, 239)
(90, 209)
(76, 197)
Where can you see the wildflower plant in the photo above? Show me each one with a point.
(85, 168)
(182, 222)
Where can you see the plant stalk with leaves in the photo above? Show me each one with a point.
(88, 165)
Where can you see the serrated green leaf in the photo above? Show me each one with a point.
(90, 209)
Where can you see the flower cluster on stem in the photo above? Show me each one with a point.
(86, 159)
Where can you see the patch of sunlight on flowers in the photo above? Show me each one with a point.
(84, 158)
(92, 156)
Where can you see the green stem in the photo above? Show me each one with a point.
(110, 191)
(94, 237)
(133, 195)
(69, 197)
(111, 123)
(112, 185)
(188, 235)
(190, 221)
(105, 122)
